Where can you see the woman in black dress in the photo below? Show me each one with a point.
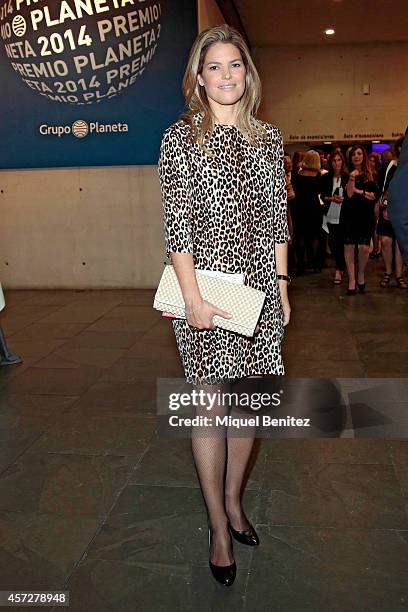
(308, 213)
(357, 217)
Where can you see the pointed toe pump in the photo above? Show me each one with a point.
(248, 536)
(224, 574)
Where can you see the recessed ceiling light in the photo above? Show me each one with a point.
(330, 32)
(376, 141)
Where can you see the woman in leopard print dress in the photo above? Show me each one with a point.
(224, 196)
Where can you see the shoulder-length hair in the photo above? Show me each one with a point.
(311, 161)
(196, 97)
(365, 166)
(334, 154)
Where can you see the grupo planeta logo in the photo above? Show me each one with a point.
(80, 51)
(80, 128)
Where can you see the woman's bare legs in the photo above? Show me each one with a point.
(209, 449)
(239, 451)
(399, 262)
(351, 271)
(387, 253)
(363, 254)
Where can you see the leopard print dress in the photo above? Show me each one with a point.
(228, 210)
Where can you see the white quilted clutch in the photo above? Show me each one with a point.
(243, 302)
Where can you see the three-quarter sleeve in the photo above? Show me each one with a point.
(176, 198)
(280, 203)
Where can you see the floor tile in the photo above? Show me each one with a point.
(303, 570)
(332, 495)
(39, 551)
(81, 357)
(116, 398)
(75, 485)
(106, 586)
(97, 436)
(328, 450)
(54, 381)
(103, 340)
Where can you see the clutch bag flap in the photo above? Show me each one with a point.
(243, 302)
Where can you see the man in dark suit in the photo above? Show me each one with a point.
(398, 204)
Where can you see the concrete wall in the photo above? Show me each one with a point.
(318, 91)
(209, 15)
(84, 227)
(74, 228)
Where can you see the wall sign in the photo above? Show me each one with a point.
(90, 82)
(348, 136)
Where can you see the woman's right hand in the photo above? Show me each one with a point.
(201, 315)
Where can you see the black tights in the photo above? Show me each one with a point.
(221, 460)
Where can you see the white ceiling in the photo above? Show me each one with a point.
(292, 22)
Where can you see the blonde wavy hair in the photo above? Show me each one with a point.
(311, 161)
(196, 97)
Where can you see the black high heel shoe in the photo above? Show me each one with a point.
(361, 287)
(248, 536)
(352, 291)
(224, 574)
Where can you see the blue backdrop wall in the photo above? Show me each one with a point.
(90, 82)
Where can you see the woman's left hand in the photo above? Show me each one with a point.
(286, 309)
(283, 290)
(370, 195)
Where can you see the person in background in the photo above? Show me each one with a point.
(297, 164)
(347, 156)
(390, 246)
(6, 356)
(398, 209)
(374, 159)
(308, 213)
(333, 186)
(357, 217)
(323, 246)
(324, 164)
(386, 156)
(287, 162)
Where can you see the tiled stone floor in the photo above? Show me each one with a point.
(93, 501)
